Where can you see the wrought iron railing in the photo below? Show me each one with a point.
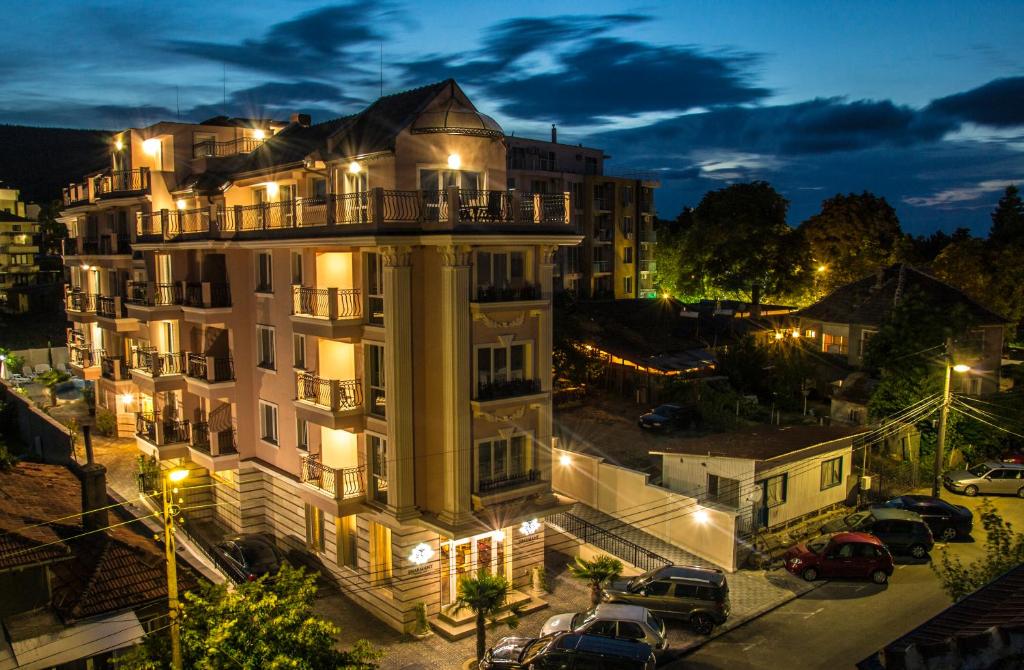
(76, 301)
(608, 541)
(327, 303)
(123, 182)
(215, 149)
(91, 246)
(76, 194)
(333, 394)
(200, 439)
(82, 356)
(508, 388)
(507, 293)
(113, 367)
(70, 246)
(212, 369)
(507, 481)
(193, 295)
(169, 431)
(339, 483)
(157, 364)
(152, 294)
(109, 307)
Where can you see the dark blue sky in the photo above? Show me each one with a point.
(922, 102)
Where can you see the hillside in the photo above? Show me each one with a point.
(41, 161)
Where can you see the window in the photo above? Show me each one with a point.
(865, 550)
(500, 460)
(498, 365)
(605, 628)
(297, 268)
(630, 631)
(299, 351)
(268, 422)
(833, 343)
(576, 194)
(865, 337)
(500, 270)
(375, 379)
(264, 273)
(723, 490)
(302, 434)
(318, 187)
(831, 473)
(345, 531)
(314, 528)
(380, 553)
(265, 357)
(374, 289)
(810, 332)
(627, 227)
(775, 490)
(377, 450)
(658, 588)
(627, 195)
(627, 285)
(627, 255)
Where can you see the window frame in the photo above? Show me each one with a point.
(261, 288)
(260, 358)
(828, 468)
(767, 483)
(302, 434)
(295, 265)
(377, 442)
(381, 554)
(346, 540)
(372, 389)
(264, 405)
(299, 350)
(526, 456)
(507, 348)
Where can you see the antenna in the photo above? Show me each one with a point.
(177, 100)
(225, 80)
(382, 69)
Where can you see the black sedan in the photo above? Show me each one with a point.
(246, 557)
(664, 417)
(947, 521)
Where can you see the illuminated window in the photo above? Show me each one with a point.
(314, 528)
(268, 422)
(834, 344)
(831, 473)
(345, 530)
(380, 553)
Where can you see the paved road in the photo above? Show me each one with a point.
(840, 623)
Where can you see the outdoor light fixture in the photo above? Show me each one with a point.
(499, 536)
(454, 161)
(354, 168)
(151, 146)
(272, 189)
(259, 134)
(529, 527)
(127, 398)
(960, 367)
(181, 204)
(565, 459)
(421, 553)
(822, 268)
(779, 335)
(118, 144)
(796, 332)
(177, 475)
(85, 266)
(701, 516)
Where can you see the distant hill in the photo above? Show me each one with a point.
(41, 161)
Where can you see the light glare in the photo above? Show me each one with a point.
(454, 161)
(177, 475)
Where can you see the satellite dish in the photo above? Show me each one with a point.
(755, 495)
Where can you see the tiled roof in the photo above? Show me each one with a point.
(761, 443)
(8, 216)
(869, 301)
(99, 573)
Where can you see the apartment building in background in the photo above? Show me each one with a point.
(19, 246)
(614, 214)
(343, 329)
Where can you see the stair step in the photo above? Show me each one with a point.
(451, 628)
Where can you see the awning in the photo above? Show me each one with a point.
(83, 640)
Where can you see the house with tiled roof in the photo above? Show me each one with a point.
(75, 587)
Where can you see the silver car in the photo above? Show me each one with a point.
(624, 622)
(990, 477)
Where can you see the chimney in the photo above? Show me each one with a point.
(554, 134)
(94, 488)
(301, 119)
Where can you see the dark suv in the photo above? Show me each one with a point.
(568, 651)
(947, 521)
(697, 595)
(667, 417)
(901, 531)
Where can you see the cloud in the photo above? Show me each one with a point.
(998, 103)
(279, 99)
(952, 196)
(67, 114)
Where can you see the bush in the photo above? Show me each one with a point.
(106, 423)
(52, 378)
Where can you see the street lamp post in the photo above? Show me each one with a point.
(940, 448)
(170, 511)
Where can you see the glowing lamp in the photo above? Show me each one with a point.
(272, 189)
(177, 475)
(151, 146)
(354, 167)
(529, 527)
(3, 357)
(85, 266)
(180, 203)
(421, 553)
(454, 161)
(666, 295)
(259, 134)
(565, 459)
(796, 332)
(127, 398)
(779, 335)
(701, 516)
(499, 536)
(822, 268)
(960, 367)
(118, 144)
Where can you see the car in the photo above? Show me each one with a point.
(248, 557)
(1015, 456)
(623, 622)
(697, 595)
(990, 477)
(665, 417)
(565, 651)
(902, 531)
(853, 555)
(947, 521)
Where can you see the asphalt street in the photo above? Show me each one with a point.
(842, 622)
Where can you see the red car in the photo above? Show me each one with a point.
(841, 555)
(1013, 457)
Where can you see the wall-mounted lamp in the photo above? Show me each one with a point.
(529, 527)
(151, 146)
(701, 516)
(454, 161)
(565, 459)
(272, 189)
(118, 144)
(180, 203)
(354, 167)
(259, 134)
(421, 553)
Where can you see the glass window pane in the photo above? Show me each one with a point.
(483, 366)
(500, 457)
(500, 270)
(500, 365)
(518, 365)
(517, 268)
(483, 269)
(485, 461)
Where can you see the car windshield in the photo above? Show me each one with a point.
(534, 648)
(818, 545)
(642, 579)
(895, 502)
(582, 618)
(257, 553)
(856, 519)
(665, 410)
(979, 470)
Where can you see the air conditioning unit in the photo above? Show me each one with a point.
(865, 483)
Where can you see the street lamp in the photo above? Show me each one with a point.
(171, 510)
(944, 413)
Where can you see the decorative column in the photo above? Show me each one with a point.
(456, 359)
(398, 379)
(545, 270)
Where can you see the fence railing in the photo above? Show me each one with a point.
(507, 388)
(123, 182)
(157, 364)
(158, 432)
(113, 367)
(82, 356)
(154, 294)
(76, 301)
(507, 481)
(327, 303)
(507, 293)
(339, 483)
(206, 294)
(211, 369)
(110, 307)
(70, 246)
(607, 541)
(215, 149)
(333, 394)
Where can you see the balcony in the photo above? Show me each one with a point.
(507, 388)
(76, 195)
(334, 403)
(153, 294)
(649, 236)
(339, 484)
(507, 481)
(525, 292)
(604, 235)
(206, 295)
(114, 368)
(111, 245)
(123, 184)
(81, 307)
(154, 372)
(113, 314)
(215, 149)
(374, 210)
(326, 312)
(215, 450)
(648, 266)
(210, 376)
(90, 246)
(70, 246)
(602, 267)
(163, 439)
(84, 361)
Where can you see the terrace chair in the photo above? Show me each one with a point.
(62, 368)
(27, 372)
(19, 379)
(42, 368)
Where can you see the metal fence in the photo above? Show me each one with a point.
(607, 541)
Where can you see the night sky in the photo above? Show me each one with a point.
(922, 102)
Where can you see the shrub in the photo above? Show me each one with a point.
(106, 423)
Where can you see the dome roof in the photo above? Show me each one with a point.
(454, 118)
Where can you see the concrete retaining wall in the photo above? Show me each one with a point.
(47, 439)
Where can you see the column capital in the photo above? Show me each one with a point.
(454, 255)
(395, 256)
(547, 254)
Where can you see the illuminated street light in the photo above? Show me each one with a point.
(354, 167)
(961, 368)
(454, 161)
(565, 459)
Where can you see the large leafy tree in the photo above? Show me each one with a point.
(851, 237)
(268, 623)
(51, 230)
(1008, 219)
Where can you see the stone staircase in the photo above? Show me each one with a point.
(455, 625)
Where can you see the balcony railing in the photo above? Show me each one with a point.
(604, 235)
(91, 246)
(602, 266)
(80, 355)
(508, 388)
(153, 294)
(156, 364)
(507, 293)
(648, 266)
(76, 301)
(327, 303)
(507, 481)
(114, 244)
(110, 307)
(70, 246)
(159, 432)
(341, 484)
(123, 182)
(207, 295)
(215, 149)
(650, 236)
(113, 368)
(76, 194)
(334, 394)
(212, 369)
(219, 443)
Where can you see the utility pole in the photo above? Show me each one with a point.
(943, 414)
(170, 511)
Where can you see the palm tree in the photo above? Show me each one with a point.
(598, 572)
(486, 595)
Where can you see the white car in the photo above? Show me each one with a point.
(623, 622)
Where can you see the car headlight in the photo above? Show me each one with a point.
(795, 562)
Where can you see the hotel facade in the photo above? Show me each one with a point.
(342, 329)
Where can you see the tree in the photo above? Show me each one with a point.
(1008, 219)
(597, 573)
(268, 623)
(51, 231)
(851, 237)
(1004, 550)
(486, 595)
